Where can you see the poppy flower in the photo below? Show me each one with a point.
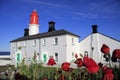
(79, 62)
(116, 53)
(104, 68)
(105, 49)
(90, 64)
(51, 61)
(108, 75)
(62, 77)
(65, 66)
(76, 56)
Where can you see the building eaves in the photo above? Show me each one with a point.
(43, 35)
(101, 34)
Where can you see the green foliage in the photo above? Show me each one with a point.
(35, 71)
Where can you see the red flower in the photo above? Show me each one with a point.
(105, 49)
(108, 75)
(51, 61)
(76, 56)
(104, 68)
(62, 77)
(91, 65)
(79, 62)
(116, 53)
(65, 66)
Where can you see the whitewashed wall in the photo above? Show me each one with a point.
(71, 48)
(93, 44)
(50, 48)
(112, 43)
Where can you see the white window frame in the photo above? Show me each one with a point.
(56, 41)
(56, 56)
(13, 45)
(43, 42)
(73, 55)
(73, 41)
(24, 43)
(34, 42)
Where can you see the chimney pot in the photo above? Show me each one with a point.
(26, 32)
(94, 28)
(51, 26)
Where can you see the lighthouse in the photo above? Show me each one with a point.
(33, 25)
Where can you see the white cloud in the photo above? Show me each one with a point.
(102, 9)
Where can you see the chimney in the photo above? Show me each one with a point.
(26, 32)
(51, 26)
(94, 28)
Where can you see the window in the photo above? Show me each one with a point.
(13, 45)
(86, 53)
(24, 43)
(43, 42)
(73, 54)
(34, 42)
(56, 41)
(56, 56)
(73, 41)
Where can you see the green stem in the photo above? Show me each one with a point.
(109, 61)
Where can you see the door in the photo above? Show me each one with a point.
(18, 57)
(44, 58)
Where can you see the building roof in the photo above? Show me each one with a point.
(102, 35)
(46, 34)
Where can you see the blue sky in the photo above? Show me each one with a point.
(76, 16)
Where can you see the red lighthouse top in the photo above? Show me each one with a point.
(34, 17)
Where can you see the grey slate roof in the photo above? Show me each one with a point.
(46, 34)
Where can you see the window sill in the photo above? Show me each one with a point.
(55, 44)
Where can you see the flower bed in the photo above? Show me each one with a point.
(87, 69)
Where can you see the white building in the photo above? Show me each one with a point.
(92, 44)
(60, 44)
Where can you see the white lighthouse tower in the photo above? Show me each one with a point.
(33, 26)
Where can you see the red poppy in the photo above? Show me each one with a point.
(108, 75)
(105, 49)
(104, 68)
(62, 77)
(76, 56)
(65, 66)
(116, 53)
(91, 65)
(51, 61)
(79, 62)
